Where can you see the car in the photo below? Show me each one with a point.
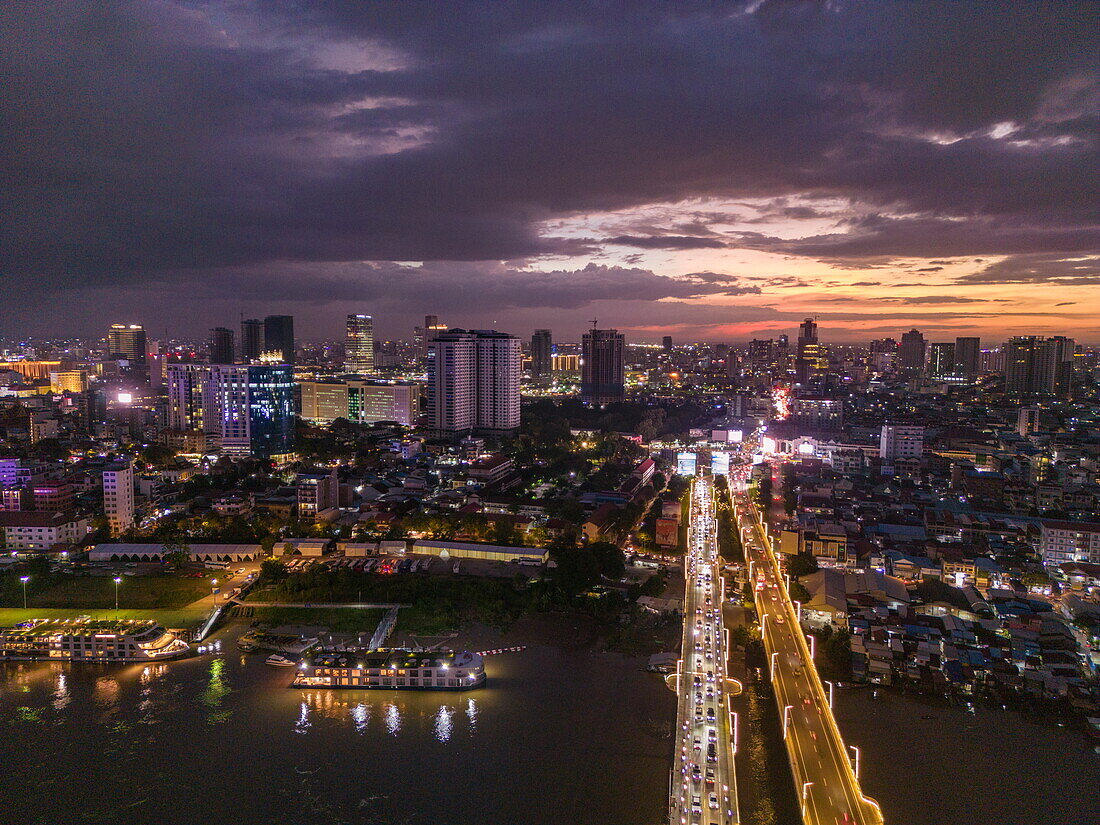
(710, 776)
(696, 804)
(696, 776)
(712, 734)
(710, 714)
(713, 799)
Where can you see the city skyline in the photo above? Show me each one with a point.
(716, 173)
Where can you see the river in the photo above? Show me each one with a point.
(928, 764)
(557, 736)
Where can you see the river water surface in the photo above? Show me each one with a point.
(557, 736)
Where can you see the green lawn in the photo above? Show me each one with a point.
(336, 619)
(90, 593)
(166, 617)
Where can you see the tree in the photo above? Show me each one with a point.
(176, 552)
(801, 564)
(272, 570)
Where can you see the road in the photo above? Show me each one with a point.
(825, 779)
(703, 788)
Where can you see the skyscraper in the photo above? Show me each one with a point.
(810, 359)
(249, 408)
(118, 496)
(602, 368)
(186, 383)
(967, 354)
(1038, 367)
(666, 344)
(941, 360)
(911, 351)
(252, 339)
(541, 352)
(473, 382)
(221, 346)
(359, 345)
(126, 342)
(279, 336)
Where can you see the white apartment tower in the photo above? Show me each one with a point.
(118, 496)
(359, 345)
(900, 446)
(473, 382)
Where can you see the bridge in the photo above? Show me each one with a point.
(703, 786)
(824, 768)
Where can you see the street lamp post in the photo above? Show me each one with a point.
(786, 718)
(118, 581)
(214, 590)
(774, 657)
(24, 579)
(830, 684)
(813, 645)
(805, 795)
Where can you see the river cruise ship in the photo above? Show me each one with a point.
(391, 669)
(86, 640)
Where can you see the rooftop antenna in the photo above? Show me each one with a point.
(594, 322)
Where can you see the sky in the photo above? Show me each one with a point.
(712, 171)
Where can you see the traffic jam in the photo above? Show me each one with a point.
(704, 793)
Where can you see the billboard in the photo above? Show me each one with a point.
(667, 532)
(720, 463)
(685, 464)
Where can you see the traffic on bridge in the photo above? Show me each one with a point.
(824, 768)
(703, 786)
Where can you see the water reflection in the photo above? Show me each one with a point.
(393, 718)
(303, 724)
(444, 723)
(213, 696)
(471, 714)
(360, 715)
(61, 696)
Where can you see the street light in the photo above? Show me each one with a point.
(774, 657)
(854, 748)
(813, 645)
(830, 684)
(118, 581)
(214, 590)
(786, 718)
(24, 579)
(805, 794)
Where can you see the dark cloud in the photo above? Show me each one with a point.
(145, 140)
(1083, 270)
(667, 242)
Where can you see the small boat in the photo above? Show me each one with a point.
(278, 660)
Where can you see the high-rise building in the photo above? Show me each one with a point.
(810, 358)
(911, 352)
(900, 448)
(359, 345)
(602, 367)
(252, 339)
(221, 346)
(1027, 420)
(473, 382)
(249, 408)
(279, 337)
(542, 350)
(118, 496)
(941, 360)
(666, 344)
(422, 336)
(186, 383)
(126, 343)
(968, 353)
(1038, 367)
